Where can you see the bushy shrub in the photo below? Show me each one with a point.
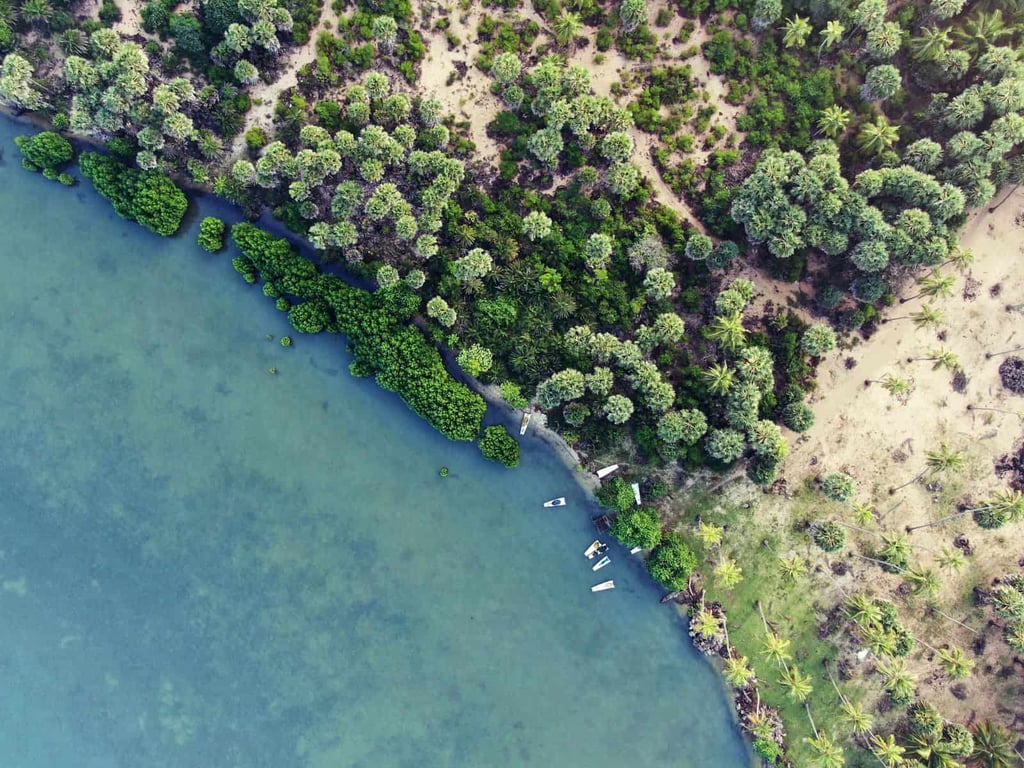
(616, 494)
(672, 562)
(838, 486)
(46, 151)
(148, 197)
(211, 234)
(498, 445)
(829, 536)
(637, 526)
(798, 416)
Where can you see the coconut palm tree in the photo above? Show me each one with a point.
(728, 573)
(981, 31)
(796, 31)
(879, 641)
(567, 28)
(718, 379)
(860, 720)
(992, 746)
(941, 357)
(893, 385)
(898, 680)
(862, 610)
(833, 120)
(931, 44)
(710, 535)
(798, 685)
(864, 513)
(727, 330)
(924, 581)
(705, 623)
(831, 34)
(792, 567)
(874, 138)
(934, 286)
(923, 318)
(955, 662)
(887, 750)
(776, 649)
(951, 558)
(1000, 508)
(827, 754)
(737, 671)
(36, 12)
(961, 259)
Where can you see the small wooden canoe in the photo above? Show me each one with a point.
(559, 502)
(592, 549)
(525, 423)
(636, 550)
(602, 563)
(603, 586)
(603, 473)
(636, 492)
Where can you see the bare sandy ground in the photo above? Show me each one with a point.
(881, 442)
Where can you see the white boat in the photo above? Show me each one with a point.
(602, 563)
(559, 502)
(636, 492)
(592, 550)
(525, 423)
(604, 585)
(603, 473)
(635, 550)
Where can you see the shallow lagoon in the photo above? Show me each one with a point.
(204, 564)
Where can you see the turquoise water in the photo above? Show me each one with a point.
(204, 564)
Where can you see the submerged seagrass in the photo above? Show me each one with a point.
(209, 564)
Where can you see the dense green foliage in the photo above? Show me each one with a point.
(46, 152)
(383, 343)
(147, 197)
(672, 562)
(212, 232)
(498, 445)
(637, 527)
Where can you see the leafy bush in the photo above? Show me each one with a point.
(637, 527)
(397, 353)
(46, 151)
(148, 197)
(672, 562)
(498, 445)
(617, 495)
(829, 536)
(211, 234)
(838, 486)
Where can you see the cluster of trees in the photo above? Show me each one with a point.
(383, 342)
(148, 197)
(47, 152)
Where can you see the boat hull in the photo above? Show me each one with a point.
(604, 586)
(602, 563)
(559, 502)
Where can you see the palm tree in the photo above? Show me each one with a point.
(860, 720)
(709, 534)
(796, 31)
(898, 680)
(932, 43)
(955, 662)
(887, 750)
(1001, 507)
(737, 671)
(831, 34)
(792, 567)
(864, 513)
(73, 42)
(776, 649)
(718, 379)
(729, 573)
(945, 459)
(863, 610)
(827, 754)
(934, 286)
(992, 746)
(705, 623)
(961, 259)
(951, 558)
(879, 641)
(893, 385)
(727, 330)
(874, 138)
(990, 355)
(36, 12)
(833, 120)
(798, 685)
(981, 32)
(567, 28)
(941, 357)
(923, 318)
(924, 581)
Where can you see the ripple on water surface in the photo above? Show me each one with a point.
(204, 564)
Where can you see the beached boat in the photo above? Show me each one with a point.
(559, 502)
(603, 473)
(525, 423)
(592, 550)
(604, 585)
(602, 563)
(635, 550)
(636, 492)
